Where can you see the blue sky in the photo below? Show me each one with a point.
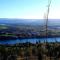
(28, 9)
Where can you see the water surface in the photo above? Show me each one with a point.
(32, 40)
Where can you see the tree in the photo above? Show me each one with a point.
(46, 17)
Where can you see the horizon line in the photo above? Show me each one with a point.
(28, 18)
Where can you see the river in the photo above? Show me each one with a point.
(32, 40)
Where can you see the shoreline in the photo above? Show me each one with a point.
(14, 37)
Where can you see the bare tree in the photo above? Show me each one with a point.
(46, 22)
(46, 17)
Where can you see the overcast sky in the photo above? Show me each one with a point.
(29, 9)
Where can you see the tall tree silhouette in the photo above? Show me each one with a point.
(46, 21)
(46, 17)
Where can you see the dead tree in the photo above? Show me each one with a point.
(46, 18)
(46, 22)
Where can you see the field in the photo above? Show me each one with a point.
(28, 31)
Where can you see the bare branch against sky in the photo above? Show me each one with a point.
(47, 14)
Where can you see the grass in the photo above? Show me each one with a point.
(7, 35)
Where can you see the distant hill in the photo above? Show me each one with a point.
(51, 22)
(21, 21)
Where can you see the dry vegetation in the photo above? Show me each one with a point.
(28, 51)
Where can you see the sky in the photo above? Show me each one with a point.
(29, 9)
